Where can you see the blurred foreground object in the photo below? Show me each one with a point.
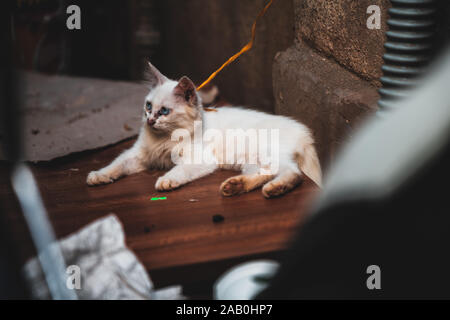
(50, 258)
(108, 269)
(245, 281)
(24, 185)
(385, 204)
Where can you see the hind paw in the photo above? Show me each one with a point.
(232, 186)
(274, 189)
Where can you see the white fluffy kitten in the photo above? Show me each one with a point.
(171, 106)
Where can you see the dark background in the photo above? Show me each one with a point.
(180, 37)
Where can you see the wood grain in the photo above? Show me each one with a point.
(164, 233)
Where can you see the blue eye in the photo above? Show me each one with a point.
(148, 106)
(164, 111)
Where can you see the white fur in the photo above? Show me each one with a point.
(153, 148)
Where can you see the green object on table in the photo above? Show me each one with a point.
(158, 198)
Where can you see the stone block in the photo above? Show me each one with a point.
(338, 29)
(323, 95)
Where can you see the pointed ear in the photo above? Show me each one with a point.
(153, 77)
(186, 90)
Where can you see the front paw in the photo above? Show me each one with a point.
(96, 178)
(166, 184)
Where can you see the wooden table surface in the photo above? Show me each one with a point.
(165, 233)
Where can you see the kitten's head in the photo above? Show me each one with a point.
(170, 104)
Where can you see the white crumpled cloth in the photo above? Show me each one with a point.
(109, 270)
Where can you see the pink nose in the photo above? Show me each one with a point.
(151, 122)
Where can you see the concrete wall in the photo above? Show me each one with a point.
(338, 30)
(328, 78)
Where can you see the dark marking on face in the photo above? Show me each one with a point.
(151, 121)
(148, 106)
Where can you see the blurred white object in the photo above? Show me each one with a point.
(109, 270)
(245, 281)
(391, 147)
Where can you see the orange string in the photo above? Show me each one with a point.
(246, 48)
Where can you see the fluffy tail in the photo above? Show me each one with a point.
(309, 164)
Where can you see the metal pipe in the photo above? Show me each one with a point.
(409, 47)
